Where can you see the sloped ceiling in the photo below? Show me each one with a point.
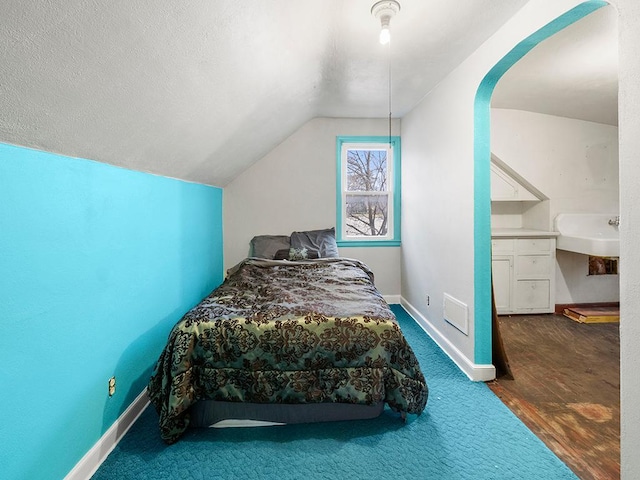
(201, 89)
(571, 74)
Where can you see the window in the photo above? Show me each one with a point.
(368, 191)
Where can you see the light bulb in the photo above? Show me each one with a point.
(385, 35)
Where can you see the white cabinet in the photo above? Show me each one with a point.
(506, 188)
(502, 269)
(524, 274)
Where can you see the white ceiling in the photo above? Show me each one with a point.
(200, 90)
(571, 74)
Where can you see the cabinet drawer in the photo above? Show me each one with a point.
(499, 245)
(532, 294)
(534, 265)
(534, 244)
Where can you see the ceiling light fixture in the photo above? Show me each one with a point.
(385, 10)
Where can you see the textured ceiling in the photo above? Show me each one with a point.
(572, 74)
(201, 89)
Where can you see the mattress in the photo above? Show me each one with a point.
(287, 333)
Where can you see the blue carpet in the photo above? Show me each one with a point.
(464, 433)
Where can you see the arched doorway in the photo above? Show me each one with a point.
(482, 185)
(606, 465)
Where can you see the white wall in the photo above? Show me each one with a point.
(438, 187)
(575, 285)
(575, 164)
(294, 188)
(629, 126)
(437, 208)
(427, 145)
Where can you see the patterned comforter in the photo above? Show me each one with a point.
(287, 332)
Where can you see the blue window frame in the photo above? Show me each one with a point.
(368, 191)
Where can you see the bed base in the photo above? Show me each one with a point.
(212, 413)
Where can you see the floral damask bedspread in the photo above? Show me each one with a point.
(287, 332)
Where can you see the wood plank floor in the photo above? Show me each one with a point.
(566, 388)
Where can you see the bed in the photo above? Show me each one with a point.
(286, 341)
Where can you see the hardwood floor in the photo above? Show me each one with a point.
(566, 388)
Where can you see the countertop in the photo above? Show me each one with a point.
(521, 232)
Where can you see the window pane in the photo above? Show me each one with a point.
(367, 215)
(366, 170)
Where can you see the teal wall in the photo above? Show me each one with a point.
(96, 265)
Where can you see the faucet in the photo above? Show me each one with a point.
(615, 221)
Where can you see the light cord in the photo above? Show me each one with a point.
(389, 77)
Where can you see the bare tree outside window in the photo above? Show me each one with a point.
(367, 198)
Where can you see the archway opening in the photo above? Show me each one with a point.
(482, 183)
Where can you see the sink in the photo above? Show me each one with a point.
(588, 233)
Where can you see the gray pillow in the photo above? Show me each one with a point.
(266, 246)
(324, 241)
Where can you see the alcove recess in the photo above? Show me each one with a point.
(522, 246)
(515, 202)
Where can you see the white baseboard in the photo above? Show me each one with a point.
(92, 460)
(391, 299)
(475, 372)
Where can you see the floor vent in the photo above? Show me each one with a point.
(456, 313)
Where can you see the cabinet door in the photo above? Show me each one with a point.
(532, 296)
(502, 270)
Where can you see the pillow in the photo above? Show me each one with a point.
(266, 246)
(298, 253)
(324, 241)
(311, 254)
(287, 254)
(282, 254)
